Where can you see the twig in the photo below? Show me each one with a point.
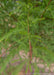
(46, 8)
(44, 11)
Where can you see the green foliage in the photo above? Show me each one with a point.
(14, 19)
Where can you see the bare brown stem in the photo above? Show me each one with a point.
(30, 46)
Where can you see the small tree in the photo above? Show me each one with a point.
(27, 25)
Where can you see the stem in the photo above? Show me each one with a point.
(28, 71)
(30, 46)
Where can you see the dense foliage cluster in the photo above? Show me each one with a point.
(15, 16)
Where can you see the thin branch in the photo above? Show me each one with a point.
(47, 18)
(46, 8)
(44, 11)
